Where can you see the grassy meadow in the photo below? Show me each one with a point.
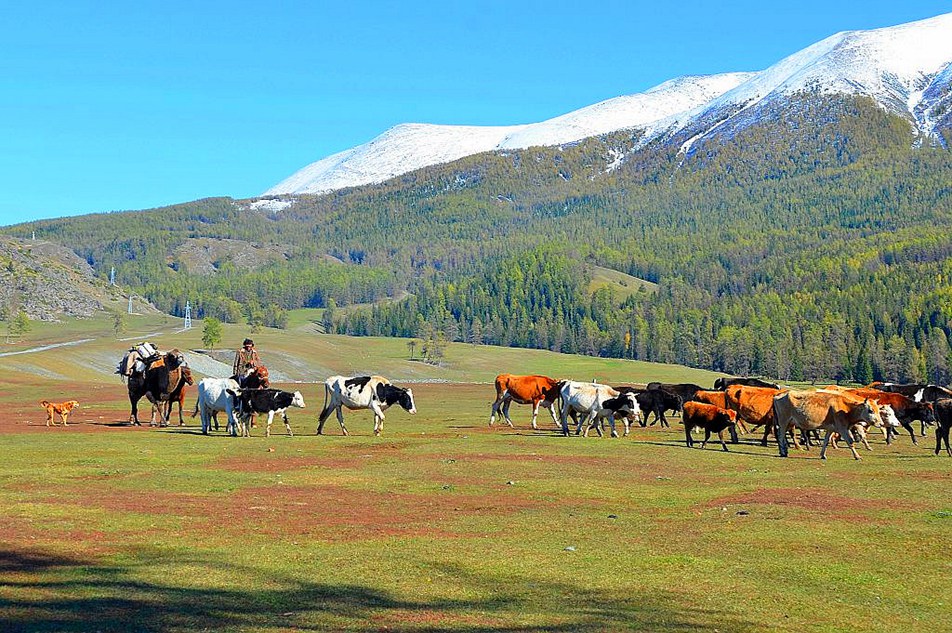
(441, 524)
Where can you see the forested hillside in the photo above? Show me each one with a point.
(813, 245)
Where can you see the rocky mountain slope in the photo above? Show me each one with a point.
(49, 281)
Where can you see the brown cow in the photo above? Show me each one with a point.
(719, 399)
(711, 418)
(535, 390)
(832, 412)
(754, 405)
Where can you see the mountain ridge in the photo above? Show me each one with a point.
(905, 68)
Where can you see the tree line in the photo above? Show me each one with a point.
(811, 246)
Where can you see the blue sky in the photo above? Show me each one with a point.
(130, 105)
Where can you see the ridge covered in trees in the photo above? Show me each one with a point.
(814, 245)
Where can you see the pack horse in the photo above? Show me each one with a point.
(157, 377)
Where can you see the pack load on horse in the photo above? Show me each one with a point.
(137, 359)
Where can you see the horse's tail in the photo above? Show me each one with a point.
(195, 412)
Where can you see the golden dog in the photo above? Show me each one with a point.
(62, 408)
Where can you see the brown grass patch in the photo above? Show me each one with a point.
(808, 499)
(628, 467)
(330, 512)
(343, 457)
(26, 535)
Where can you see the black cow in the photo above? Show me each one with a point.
(922, 411)
(685, 390)
(943, 422)
(655, 401)
(270, 401)
(721, 384)
(158, 382)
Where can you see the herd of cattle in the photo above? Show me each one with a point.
(747, 403)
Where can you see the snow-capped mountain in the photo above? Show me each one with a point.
(411, 146)
(906, 69)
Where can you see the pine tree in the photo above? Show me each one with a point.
(119, 322)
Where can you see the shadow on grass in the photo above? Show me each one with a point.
(712, 445)
(48, 592)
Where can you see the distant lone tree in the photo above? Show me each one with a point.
(18, 325)
(118, 322)
(330, 313)
(211, 332)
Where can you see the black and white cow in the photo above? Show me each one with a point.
(362, 392)
(270, 401)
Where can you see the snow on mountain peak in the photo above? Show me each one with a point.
(411, 146)
(906, 68)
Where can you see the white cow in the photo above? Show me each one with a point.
(594, 402)
(213, 396)
(362, 392)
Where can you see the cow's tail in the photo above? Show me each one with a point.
(324, 413)
(558, 398)
(780, 435)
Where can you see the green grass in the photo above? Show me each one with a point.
(623, 285)
(300, 354)
(445, 524)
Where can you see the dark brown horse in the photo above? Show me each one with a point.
(157, 383)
